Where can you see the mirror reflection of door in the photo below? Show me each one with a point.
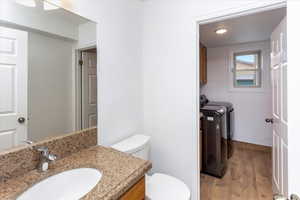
(13, 90)
(89, 88)
(41, 88)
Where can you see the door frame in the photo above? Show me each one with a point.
(220, 15)
(78, 83)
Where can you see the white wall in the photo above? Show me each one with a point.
(119, 65)
(252, 106)
(50, 108)
(87, 34)
(170, 80)
(164, 99)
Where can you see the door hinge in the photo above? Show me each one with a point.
(80, 62)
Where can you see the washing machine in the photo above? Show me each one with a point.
(229, 123)
(214, 140)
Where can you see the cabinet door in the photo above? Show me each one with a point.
(203, 64)
(137, 192)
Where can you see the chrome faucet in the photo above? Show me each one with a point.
(45, 157)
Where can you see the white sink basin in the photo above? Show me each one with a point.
(68, 185)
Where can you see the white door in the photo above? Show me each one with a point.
(293, 32)
(280, 120)
(89, 89)
(13, 87)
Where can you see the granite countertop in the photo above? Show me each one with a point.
(119, 172)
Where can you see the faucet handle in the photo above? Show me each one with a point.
(44, 150)
(52, 157)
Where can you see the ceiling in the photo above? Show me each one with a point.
(58, 13)
(69, 16)
(250, 28)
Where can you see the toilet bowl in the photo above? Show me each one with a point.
(158, 186)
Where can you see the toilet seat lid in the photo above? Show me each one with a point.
(132, 144)
(162, 187)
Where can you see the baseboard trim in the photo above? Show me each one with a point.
(249, 146)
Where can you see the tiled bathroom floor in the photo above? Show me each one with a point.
(249, 176)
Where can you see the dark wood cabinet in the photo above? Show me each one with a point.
(203, 64)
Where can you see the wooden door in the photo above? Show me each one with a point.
(89, 89)
(279, 120)
(13, 87)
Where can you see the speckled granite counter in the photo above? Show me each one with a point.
(120, 172)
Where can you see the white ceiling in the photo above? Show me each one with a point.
(59, 13)
(69, 16)
(250, 28)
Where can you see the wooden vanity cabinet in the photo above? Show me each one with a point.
(203, 64)
(136, 192)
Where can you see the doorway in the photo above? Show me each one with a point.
(87, 88)
(241, 54)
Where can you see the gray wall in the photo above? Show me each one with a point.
(50, 86)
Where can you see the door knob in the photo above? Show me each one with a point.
(21, 120)
(269, 120)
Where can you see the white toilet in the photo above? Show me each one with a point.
(158, 186)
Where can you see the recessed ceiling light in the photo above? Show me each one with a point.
(221, 31)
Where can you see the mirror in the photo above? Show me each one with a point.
(48, 65)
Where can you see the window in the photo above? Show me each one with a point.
(247, 69)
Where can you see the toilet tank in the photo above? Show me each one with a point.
(136, 145)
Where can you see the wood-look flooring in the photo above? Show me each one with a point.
(248, 177)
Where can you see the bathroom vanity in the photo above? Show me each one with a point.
(122, 175)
